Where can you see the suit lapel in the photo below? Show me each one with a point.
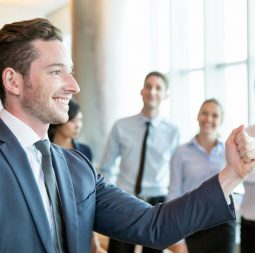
(67, 199)
(19, 164)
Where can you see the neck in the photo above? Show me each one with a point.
(62, 141)
(39, 127)
(207, 141)
(150, 112)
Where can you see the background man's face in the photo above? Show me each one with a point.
(153, 92)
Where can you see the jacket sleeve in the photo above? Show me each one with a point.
(123, 217)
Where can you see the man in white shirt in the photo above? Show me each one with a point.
(125, 142)
(35, 88)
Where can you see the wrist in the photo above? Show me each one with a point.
(229, 179)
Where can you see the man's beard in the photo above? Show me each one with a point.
(38, 104)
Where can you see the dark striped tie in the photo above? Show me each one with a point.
(139, 178)
(51, 185)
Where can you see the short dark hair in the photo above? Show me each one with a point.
(158, 74)
(16, 49)
(74, 109)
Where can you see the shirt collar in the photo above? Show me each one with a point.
(194, 142)
(154, 121)
(25, 134)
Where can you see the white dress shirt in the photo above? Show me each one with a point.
(27, 137)
(125, 142)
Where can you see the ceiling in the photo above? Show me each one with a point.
(44, 6)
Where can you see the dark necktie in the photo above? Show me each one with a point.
(142, 161)
(51, 185)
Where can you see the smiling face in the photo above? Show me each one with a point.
(153, 92)
(209, 118)
(49, 86)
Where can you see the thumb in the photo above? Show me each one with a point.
(231, 138)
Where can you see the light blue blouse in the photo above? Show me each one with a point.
(191, 165)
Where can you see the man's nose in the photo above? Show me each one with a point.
(153, 91)
(71, 84)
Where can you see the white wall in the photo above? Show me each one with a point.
(56, 10)
(61, 18)
(10, 14)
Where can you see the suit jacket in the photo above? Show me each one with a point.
(89, 203)
(84, 149)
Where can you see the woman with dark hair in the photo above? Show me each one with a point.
(65, 134)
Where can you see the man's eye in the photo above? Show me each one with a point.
(56, 72)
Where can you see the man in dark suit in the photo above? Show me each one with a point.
(51, 201)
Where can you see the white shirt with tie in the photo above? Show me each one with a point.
(27, 137)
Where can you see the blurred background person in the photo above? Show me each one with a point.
(192, 164)
(65, 135)
(247, 209)
(145, 143)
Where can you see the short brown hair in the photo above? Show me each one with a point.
(158, 74)
(16, 49)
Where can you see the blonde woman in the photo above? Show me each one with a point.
(192, 164)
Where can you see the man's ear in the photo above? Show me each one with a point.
(11, 80)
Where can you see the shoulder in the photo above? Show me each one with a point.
(126, 125)
(73, 158)
(84, 149)
(76, 170)
(127, 120)
(184, 148)
(80, 169)
(169, 126)
(168, 123)
(81, 147)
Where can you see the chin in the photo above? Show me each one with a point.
(64, 117)
(209, 132)
(59, 119)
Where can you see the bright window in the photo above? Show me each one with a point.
(209, 60)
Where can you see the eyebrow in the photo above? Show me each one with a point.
(60, 65)
(55, 65)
